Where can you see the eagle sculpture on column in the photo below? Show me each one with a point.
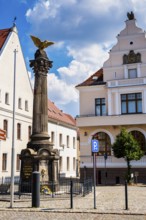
(41, 45)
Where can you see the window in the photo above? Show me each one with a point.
(60, 163)
(131, 103)
(17, 163)
(19, 103)
(18, 131)
(132, 73)
(68, 164)
(74, 163)
(4, 162)
(100, 108)
(7, 98)
(5, 126)
(74, 142)
(52, 136)
(29, 132)
(60, 139)
(67, 140)
(26, 105)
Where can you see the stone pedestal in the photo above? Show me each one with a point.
(40, 155)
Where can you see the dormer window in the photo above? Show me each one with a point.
(132, 73)
(95, 78)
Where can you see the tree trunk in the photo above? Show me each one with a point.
(128, 171)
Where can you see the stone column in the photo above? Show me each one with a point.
(40, 152)
(109, 102)
(138, 70)
(40, 65)
(143, 101)
(125, 72)
(116, 103)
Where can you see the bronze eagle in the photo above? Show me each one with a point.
(130, 15)
(41, 44)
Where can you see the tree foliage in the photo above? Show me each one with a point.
(125, 146)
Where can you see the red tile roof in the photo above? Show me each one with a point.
(56, 114)
(95, 79)
(3, 36)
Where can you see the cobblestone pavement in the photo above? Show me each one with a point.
(110, 204)
(11, 215)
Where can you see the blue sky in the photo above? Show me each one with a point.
(83, 32)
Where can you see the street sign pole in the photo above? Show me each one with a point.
(94, 165)
(95, 149)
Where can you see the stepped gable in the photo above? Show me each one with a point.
(55, 113)
(3, 36)
(95, 79)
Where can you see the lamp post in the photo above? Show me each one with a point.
(105, 158)
(13, 134)
(77, 168)
(85, 172)
(60, 159)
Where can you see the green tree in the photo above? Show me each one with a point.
(127, 147)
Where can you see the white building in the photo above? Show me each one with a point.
(116, 97)
(9, 42)
(63, 133)
(62, 127)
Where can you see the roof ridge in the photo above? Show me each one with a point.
(57, 114)
(3, 36)
(95, 79)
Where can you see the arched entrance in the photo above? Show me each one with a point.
(104, 143)
(105, 151)
(140, 139)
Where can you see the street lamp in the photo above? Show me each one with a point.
(13, 134)
(60, 158)
(84, 171)
(105, 158)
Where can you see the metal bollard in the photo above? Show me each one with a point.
(71, 194)
(126, 196)
(36, 189)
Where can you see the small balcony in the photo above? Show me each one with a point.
(110, 120)
(126, 82)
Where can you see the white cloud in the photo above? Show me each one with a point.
(59, 90)
(86, 30)
(40, 11)
(59, 44)
(31, 77)
(85, 61)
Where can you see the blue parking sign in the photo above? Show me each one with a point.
(95, 146)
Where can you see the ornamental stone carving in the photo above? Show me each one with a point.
(132, 57)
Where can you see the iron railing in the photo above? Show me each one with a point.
(61, 189)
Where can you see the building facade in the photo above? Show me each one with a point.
(63, 134)
(10, 51)
(116, 97)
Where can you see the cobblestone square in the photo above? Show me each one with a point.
(110, 204)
